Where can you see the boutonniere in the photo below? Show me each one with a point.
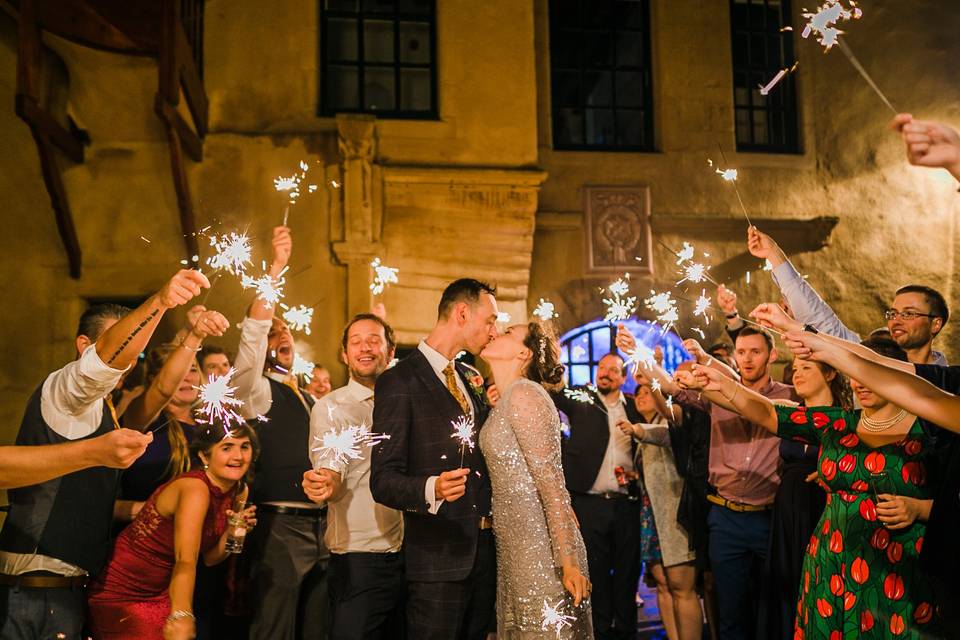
(476, 384)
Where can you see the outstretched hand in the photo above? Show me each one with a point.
(772, 315)
(625, 340)
(809, 346)
(696, 350)
(207, 322)
(708, 379)
(183, 287)
(726, 300)
(451, 485)
(282, 246)
(928, 143)
(120, 448)
(764, 247)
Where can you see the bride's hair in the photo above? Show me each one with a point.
(545, 366)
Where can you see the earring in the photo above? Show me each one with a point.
(205, 466)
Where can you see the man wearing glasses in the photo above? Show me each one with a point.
(917, 315)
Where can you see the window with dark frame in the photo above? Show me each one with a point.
(761, 48)
(379, 57)
(601, 75)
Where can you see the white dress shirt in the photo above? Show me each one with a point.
(438, 362)
(355, 522)
(71, 404)
(617, 453)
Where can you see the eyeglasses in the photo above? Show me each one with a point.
(909, 314)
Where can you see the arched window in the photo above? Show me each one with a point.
(582, 348)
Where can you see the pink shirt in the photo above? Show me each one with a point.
(744, 457)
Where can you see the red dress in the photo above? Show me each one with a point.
(129, 598)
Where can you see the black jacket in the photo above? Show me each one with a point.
(416, 410)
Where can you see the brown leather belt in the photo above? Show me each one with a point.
(486, 522)
(43, 580)
(739, 507)
(283, 510)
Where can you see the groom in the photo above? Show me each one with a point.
(448, 541)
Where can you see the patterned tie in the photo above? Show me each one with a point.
(113, 411)
(454, 389)
(292, 382)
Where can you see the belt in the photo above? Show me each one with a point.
(611, 495)
(739, 507)
(44, 580)
(486, 522)
(291, 511)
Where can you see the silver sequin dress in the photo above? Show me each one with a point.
(533, 521)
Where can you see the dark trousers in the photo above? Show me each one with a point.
(367, 595)
(611, 533)
(41, 614)
(456, 610)
(738, 551)
(288, 578)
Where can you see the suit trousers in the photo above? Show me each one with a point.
(462, 610)
(611, 534)
(367, 595)
(288, 578)
(36, 614)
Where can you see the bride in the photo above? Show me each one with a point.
(542, 586)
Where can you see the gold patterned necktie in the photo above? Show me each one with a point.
(291, 381)
(454, 389)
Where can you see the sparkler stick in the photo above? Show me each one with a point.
(845, 48)
(736, 189)
(765, 328)
(463, 431)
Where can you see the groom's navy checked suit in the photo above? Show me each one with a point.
(450, 562)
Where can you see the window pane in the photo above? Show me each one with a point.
(342, 87)
(340, 5)
(599, 126)
(567, 88)
(630, 127)
(630, 13)
(415, 90)
(629, 49)
(599, 13)
(568, 127)
(377, 41)
(760, 127)
(629, 89)
(378, 89)
(416, 6)
(600, 338)
(566, 12)
(341, 39)
(743, 126)
(565, 49)
(597, 88)
(580, 375)
(580, 348)
(415, 42)
(598, 49)
(383, 6)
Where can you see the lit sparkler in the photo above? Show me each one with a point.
(686, 252)
(269, 289)
(340, 446)
(766, 88)
(579, 395)
(731, 175)
(702, 306)
(463, 432)
(545, 310)
(552, 617)
(302, 367)
(382, 276)
(232, 253)
(218, 402)
(695, 272)
(503, 317)
(655, 385)
(620, 305)
(298, 318)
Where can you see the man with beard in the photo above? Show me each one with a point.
(288, 560)
(915, 318)
(366, 578)
(448, 541)
(601, 477)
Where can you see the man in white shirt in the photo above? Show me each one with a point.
(288, 560)
(57, 534)
(366, 578)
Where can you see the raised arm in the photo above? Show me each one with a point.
(281, 247)
(732, 395)
(537, 429)
(903, 389)
(929, 144)
(807, 305)
(192, 499)
(23, 465)
(145, 408)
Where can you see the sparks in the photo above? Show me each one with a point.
(766, 88)
(686, 252)
(695, 272)
(269, 289)
(578, 352)
(145, 239)
(232, 253)
(669, 403)
(660, 302)
(579, 395)
(699, 332)
(330, 411)
(702, 307)
(823, 23)
(218, 402)
(503, 317)
(656, 386)
(767, 265)
(621, 305)
(641, 355)
(262, 418)
(298, 318)
(302, 367)
(285, 184)
(340, 446)
(382, 276)
(545, 310)
(463, 432)
(553, 618)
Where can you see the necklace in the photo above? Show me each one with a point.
(876, 426)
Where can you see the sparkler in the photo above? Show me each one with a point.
(232, 253)
(584, 395)
(730, 175)
(620, 305)
(665, 306)
(218, 402)
(463, 432)
(340, 446)
(302, 367)
(382, 276)
(298, 318)
(686, 251)
(702, 307)
(269, 289)
(545, 310)
(766, 88)
(503, 317)
(655, 385)
(291, 186)
(553, 618)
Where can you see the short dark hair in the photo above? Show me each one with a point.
(207, 436)
(462, 290)
(885, 347)
(92, 321)
(726, 346)
(387, 329)
(615, 354)
(753, 331)
(209, 350)
(938, 304)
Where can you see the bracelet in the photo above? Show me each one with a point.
(731, 316)
(180, 614)
(194, 349)
(736, 390)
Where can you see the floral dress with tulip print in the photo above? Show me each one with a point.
(860, 579)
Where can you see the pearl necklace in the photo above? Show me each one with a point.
(876, 426)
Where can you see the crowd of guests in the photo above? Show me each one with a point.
(819, 506)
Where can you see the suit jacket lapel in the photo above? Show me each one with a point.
(436, 389)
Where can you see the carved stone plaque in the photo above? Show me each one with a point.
(618, 229)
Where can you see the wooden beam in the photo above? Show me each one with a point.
(38, 119)
(190, 80)
(61, 207)
(191, 143)
(181, 186)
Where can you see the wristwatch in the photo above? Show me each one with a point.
(809, 328)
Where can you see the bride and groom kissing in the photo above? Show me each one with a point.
(499, 534)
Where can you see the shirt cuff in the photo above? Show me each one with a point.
(430, 493)
(95, 369)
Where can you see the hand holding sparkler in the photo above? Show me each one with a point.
(764, 247)
(929, 144)
(321, 484)
(206, 322)
(810, 346)
(182, 288)
(707, 379)
(773, 316)
(576, 583)
(696, 350)
(451, 485)
(282, 244)
(727, 301)
(625, 340)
